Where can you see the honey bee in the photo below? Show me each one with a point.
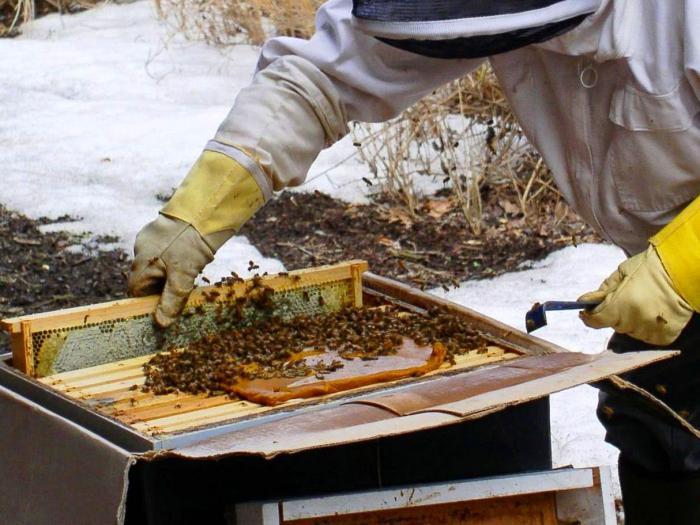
(262, 347)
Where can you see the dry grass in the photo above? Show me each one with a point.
(225, 22)
(465, 135)
(14, 13)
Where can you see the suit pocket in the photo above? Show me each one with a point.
(655, 148)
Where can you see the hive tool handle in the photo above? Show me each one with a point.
(537, 316)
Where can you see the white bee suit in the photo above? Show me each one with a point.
(612, 105)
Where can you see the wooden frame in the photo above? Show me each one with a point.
(22, 328)
(145, 305)
(109, 389)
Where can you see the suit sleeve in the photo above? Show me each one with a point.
(306, 91)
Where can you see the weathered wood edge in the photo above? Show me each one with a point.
(501, 333)
(146, 305)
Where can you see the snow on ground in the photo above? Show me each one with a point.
(101, 111)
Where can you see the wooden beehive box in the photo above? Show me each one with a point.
(86, 364)
(106, 332)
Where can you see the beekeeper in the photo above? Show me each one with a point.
(608, 91)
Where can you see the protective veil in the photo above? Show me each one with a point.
(467, 29)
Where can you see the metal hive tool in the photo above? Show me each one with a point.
(65, 340)
(536, 317)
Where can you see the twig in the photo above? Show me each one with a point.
(300, 248)
(81, 261)
(26, 242)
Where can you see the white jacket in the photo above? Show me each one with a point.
(613, 106)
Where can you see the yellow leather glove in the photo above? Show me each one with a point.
(653, 295)
(216, 198)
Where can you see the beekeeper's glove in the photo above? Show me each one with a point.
(216, 198)
(653, 295)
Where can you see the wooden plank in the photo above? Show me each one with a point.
(116, 386)
(201, 417)
(121, 401)
(22, 355)
(96, 371)
(19, 357)
(107, 378)
(184, 405)
(589, 505)
(94, 313)
(439, 493)
(356, 273)
(531, 509)
(427, 503)
(145, 305)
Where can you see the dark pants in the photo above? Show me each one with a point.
(643, 437)
(655, 450)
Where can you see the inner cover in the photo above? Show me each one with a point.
(409, 360)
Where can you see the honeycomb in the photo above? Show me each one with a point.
(85, 345)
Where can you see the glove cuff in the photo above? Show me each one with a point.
(678, 246)
(219, 193)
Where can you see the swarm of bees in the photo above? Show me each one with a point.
(269, 347)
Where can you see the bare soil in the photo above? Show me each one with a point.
(38, 271)
(436, 248)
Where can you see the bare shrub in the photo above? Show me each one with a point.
(464, 134)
